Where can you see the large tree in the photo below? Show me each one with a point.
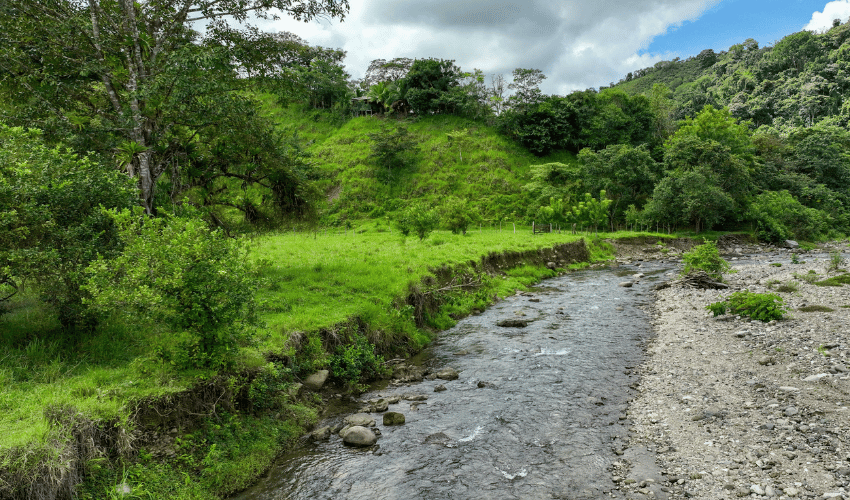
(136, 75)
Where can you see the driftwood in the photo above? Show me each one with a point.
(695, 279)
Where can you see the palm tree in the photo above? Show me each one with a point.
(384, 93)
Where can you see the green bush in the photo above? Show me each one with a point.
(418, 218)
(706, 258)
(176, 272)
(356, 362)
(51, 225)
(758, 306)
(457, 215)
(779, 217)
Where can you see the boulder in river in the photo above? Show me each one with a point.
(448, 373)
(315, 381)
(360, 419)
(513, 323)
(440, 388)
(393, 418)
(409, 373)
(359, 436)
(321, 434)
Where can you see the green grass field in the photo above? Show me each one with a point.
(309, 282)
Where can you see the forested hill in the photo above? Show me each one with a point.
(801, 80)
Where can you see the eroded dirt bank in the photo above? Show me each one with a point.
(732, 408)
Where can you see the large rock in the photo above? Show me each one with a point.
(513, 323)
(359, 436)
(393, 418)
(315, 381)
(791, 244)
(409, 373)
(360, 419)
(448, 373)
(294, 390)
(321, 434)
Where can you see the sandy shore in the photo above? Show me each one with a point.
(733, 408)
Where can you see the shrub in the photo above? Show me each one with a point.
(393, 150)
(51, 226)
(836, 262)
(357, 362)
(706, 258)
(176, 272)
(779, 216)
(418, 218)
(457, 215)
(758, 306)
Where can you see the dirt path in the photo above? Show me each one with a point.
(733, 408)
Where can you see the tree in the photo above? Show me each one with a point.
(135, 71)
(419, 218)
(381, 70)
(427, 82)
(496, 95)
(51, 224)
(627, 174)
(393, 150)
(526, 87)
(717, 125)
(779, 216)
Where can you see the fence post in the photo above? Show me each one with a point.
(514, 227)
(532, 228)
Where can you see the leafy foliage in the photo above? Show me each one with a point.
(356, 362)
(457, 215)
(706, 258)
(177, 272)
(51, 226)
(429, 83)
(139, 72)
(418, 218)
(758, 306)
(779, 217)
(393, 150)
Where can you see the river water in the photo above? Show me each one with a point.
(544, 425)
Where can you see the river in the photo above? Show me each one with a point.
(537, 412)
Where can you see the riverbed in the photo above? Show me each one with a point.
(537, 411)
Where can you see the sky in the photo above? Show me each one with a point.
(578, 44)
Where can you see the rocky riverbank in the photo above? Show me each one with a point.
(733, 408)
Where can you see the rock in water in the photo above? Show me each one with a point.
(513, 323)
(393, 418)
(360, 419)
(409, 373)
(440, 388)
(359, 436)
(315, 381)
(447, 374)
(321, 434)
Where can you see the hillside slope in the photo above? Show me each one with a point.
(454, 157)
(801, 80)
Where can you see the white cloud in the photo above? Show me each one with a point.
(577, 43)
(838, 9)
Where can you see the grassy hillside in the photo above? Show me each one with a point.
(457, 157)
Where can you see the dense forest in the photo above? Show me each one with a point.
(141, 159)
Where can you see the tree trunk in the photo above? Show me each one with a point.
(146, 181)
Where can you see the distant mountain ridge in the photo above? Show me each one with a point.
(801, 80)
